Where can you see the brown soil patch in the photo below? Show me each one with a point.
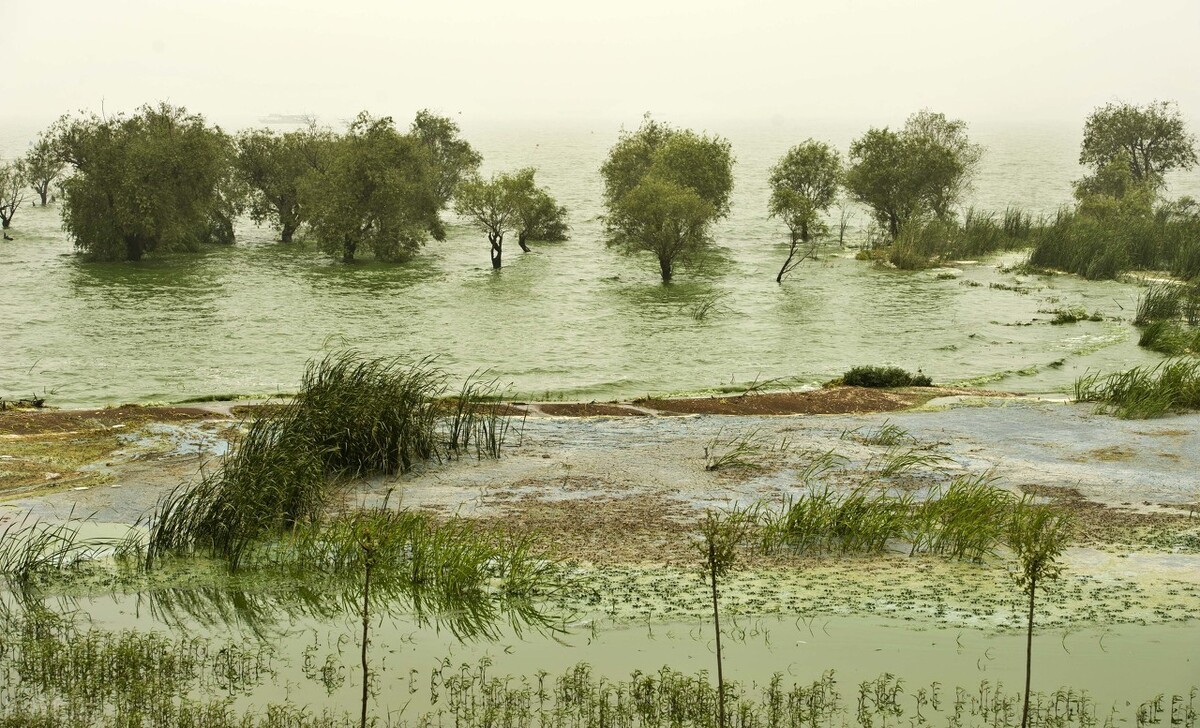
(45, 421)
(1098, 525)
(830, 401)
(589, 409)
(1112, 454)
(633, 529)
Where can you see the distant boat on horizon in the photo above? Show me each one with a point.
(285, 119)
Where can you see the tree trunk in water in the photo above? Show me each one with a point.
(5, 222)
(366, 624)
(133, 249)
(717, 622)
(285, 234)
(348, 248)
(786, 263)
(521, 237)
(43, 193)
(497, 251)
(664, 266)
(1028, 654)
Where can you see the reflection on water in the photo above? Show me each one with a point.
(573, 319)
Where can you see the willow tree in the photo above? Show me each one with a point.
(42, 167)
(12, 191)
(538, 215)
(804, 183)
(1149, 140)
(453, 158)
(157, 181)
(273, 167)
(664, 189)
(377, 193)
(509, 202)
(922, 170)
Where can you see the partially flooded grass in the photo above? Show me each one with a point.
(355, 417)
(964, 520)
(1144, 392)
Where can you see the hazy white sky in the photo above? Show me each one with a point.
(685, 60)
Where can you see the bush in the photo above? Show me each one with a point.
(883, 377)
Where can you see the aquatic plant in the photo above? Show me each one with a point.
(29, 547)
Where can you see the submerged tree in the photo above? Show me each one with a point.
(12, 191)
(538, 215)
(510, 202)
(491, 206)
(1150, 140)
(804, 183)
(157, 181)
(452, 157)
(43, 167)
(1037, 535)
(924, 169)
(664, 189)
(273, 166)
(377, 193)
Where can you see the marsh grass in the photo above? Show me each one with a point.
(53, 667)
(964, 520)
(1160, 302)
(1105, 246)
(924, 244)
(900, 459)
(887, 434)
(1172, 385)
(29, 548)
(354, 417)
(746, 450)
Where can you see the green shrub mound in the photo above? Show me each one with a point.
(884, 377)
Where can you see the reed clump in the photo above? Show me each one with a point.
(354, 417)
(1172, 385)
(964, 520)
(1104, 241)
(929, 243)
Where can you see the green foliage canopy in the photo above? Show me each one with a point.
(664, 188)
(272, 167)
(1150, 140)
(157, 181)
(377, 193)
(924, 169)
(42, 167)
(12, 191)
(452, 157)
(508, 202)
(804, 183)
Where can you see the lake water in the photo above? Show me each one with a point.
(571, 320)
